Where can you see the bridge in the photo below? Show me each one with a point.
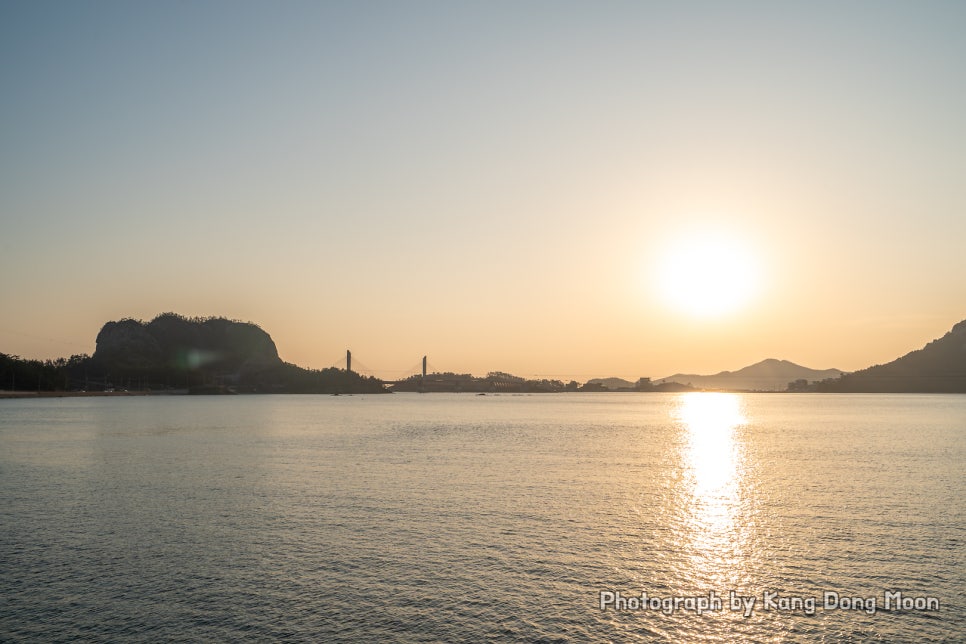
(432, 379)
(420, 369)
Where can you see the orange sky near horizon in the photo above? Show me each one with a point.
(497, 186)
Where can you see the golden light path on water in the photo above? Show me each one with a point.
(715, 517)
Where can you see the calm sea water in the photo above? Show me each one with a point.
(466, 518)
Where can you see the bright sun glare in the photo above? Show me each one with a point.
(708, 275)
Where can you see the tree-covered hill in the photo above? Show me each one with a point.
(939, 367)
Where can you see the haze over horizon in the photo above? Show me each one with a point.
(557, 189)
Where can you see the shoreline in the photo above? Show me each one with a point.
(82, 394)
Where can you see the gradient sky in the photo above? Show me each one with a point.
(494, 184)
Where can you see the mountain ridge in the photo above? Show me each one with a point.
(216, 354)
(770, 374)
(938, 367)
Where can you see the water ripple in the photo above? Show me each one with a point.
(465, 519)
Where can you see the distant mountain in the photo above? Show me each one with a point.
(611, 383)
(939, 367)
(767, 375)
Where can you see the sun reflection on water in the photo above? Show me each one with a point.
(710, 420)
(713, 517)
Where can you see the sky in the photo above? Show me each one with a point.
(542, 188)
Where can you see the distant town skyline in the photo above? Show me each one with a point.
(563, 190)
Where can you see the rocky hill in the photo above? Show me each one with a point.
(173, 341)
(211, 355)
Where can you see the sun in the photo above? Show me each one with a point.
(708, 275)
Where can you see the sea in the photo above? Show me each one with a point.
(621, 517)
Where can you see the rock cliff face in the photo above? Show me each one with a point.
(126, 344)
(172, 341)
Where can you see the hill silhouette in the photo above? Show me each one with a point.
(208, 355)
(176, 353)
(939, 367)
(171, 341)
(217, 355)
(610, 383)
(767, 375)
